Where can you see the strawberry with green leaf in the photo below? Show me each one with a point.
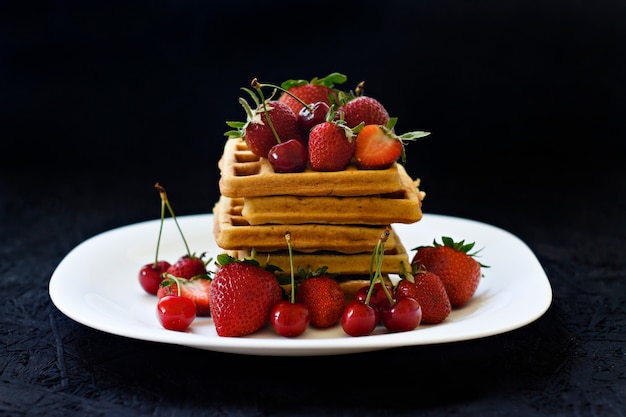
(270, 122)
(454, 264)
(378, 146)
(242, 295)
(317, 90)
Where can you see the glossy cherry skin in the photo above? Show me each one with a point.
(404, 315)
(150, 276)
(378, 299)
(289, 156)
(359, 319)
(175, 312)
(290, 319)
(309, 118)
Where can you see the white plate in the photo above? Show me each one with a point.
(97, 285)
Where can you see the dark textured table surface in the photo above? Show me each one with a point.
(525, 102)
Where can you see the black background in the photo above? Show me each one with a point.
(525, 101)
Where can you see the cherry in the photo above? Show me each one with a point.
(312, 115)
(151, 276)
(359, 318)
(378, 299)
(403, 315)
(289, 156)
(289, 318)
(176, 312)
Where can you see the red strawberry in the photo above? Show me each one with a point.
(430, 293)
(257, 131)
(455, 266)
(188, 266)
(377, 146)
(331, 146)
(325, 299)
(364, 109)
(316, 90)
(196, 289)
(259, 136)
(242, 296)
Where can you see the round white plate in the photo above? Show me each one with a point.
(97, 285)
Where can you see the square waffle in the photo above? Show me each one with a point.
(232, 231)
(395, 260)
(402, 206)
(243, 174)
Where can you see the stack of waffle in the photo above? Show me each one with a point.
(335, 219)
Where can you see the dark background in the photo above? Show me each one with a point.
(526, 102)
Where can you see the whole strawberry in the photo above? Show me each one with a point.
(313, 91)
(364, 109)
(429, 291)
(197, 289)
(269, 123)
(324, 298)
(188, 266)
(331, 146)
(242, 296)
(455, 266)
(258, 133)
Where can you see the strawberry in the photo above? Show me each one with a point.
(430, 293)
(364, 109)
(257, 130)
(196, 289)
(377, 146)
(324, 298)
(242, 296)
(188, 266)
(313, 91)
(331, 146)
(455, 266)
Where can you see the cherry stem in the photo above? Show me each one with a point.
(377, 260)
(176, 280)
(166, 201)
(257, 86)
(156, 257)
(293, 282)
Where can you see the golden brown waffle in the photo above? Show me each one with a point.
(243, 174)
(403, 206)
(394, 260)
(232, 231)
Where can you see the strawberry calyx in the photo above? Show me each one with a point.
(224, 259)
(460, 246)
(329, 81)
(253, 115)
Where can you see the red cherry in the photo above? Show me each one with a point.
(378, 299)
(290, 319)
(151, 275)
(176, 312)
(289, 156)
(404, 315)
(309, 118)
(359, 319)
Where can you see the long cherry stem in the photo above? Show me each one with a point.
(166, 201)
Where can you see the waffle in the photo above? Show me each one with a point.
(395, 260)
(402, 206)
(232, 231)
(243, 174)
